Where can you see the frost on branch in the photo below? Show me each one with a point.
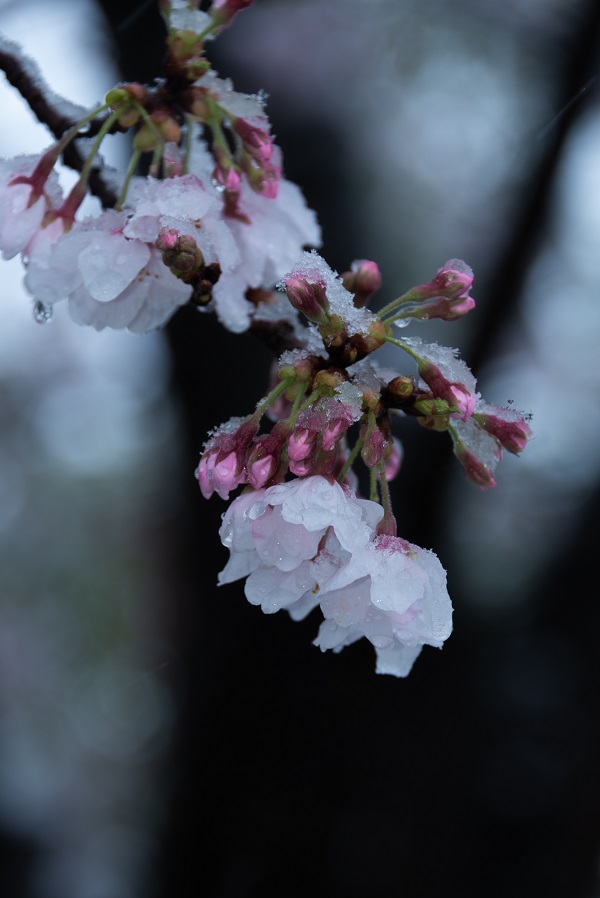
(203, 215)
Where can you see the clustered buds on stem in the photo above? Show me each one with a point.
(217, 225)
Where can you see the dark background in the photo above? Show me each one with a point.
(292, 772)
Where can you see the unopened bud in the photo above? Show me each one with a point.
(474, 468)
(309, 298)
(374, 339)
(329, 377)
(166, 125)
(223, 11)
(456, 394)
(180, 253)
(145, 139)
(400, 389)
(508, 427)
(373, 447)
(363, 280)
(432, 407)
(257, 141)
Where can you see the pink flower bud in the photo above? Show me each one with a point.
(301, 444)
(180, 253)
(476, 471)
(454, 393)
(363, 280)
(459, 396)
(265, 459)
(454, 278)
(223, 11)
(508, 427)
(309, 298)
(261, 469)
(339, 417)
(447, 295)
(446, 309)
(257, 141)
(204, 475)
(227, 177)
(302, 467)
(373, 447)
(221, 468)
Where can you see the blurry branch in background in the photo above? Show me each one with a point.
(579, 63)
(56, 113)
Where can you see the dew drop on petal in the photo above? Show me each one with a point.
(42, 313)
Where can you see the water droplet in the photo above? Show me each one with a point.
(42, 313)
(402, 322)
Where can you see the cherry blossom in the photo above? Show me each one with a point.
(23, 202)
(309, 542)
(392, 592)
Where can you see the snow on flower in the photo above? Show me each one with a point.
(392, 592)
(310, 542)
(108, 279)
(289, 539)
(22, 207)
(267, 245)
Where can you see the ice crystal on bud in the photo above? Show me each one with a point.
(507, 425)
(313, 269)
(447, 376)
(183, 18)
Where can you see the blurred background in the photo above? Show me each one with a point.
(162, 739)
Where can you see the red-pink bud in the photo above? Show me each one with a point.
(309, 298)
(224, 11)
(474, 468)
(180, 253)
(373, 448)
(363, 280)
(508, 427)
(301, 444)
(221, 467)
(257, 141)
(454, 393)
(265, 459)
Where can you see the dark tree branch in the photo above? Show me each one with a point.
(55, 112)
(513, 262)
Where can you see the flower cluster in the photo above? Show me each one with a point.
(309, 542)
(215, 223)
(299, 531)
(213, 220)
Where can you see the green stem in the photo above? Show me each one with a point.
(385, 490)
(316, 394)
(85, 171)
(135, 157)
(154, 168)
(374, 491)
(188, 145)
(387, 524)
(350, 460)
(406, 297)
(270, 398)
(147, 119)
(406, 348)
(403, 314)
(297, 400)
